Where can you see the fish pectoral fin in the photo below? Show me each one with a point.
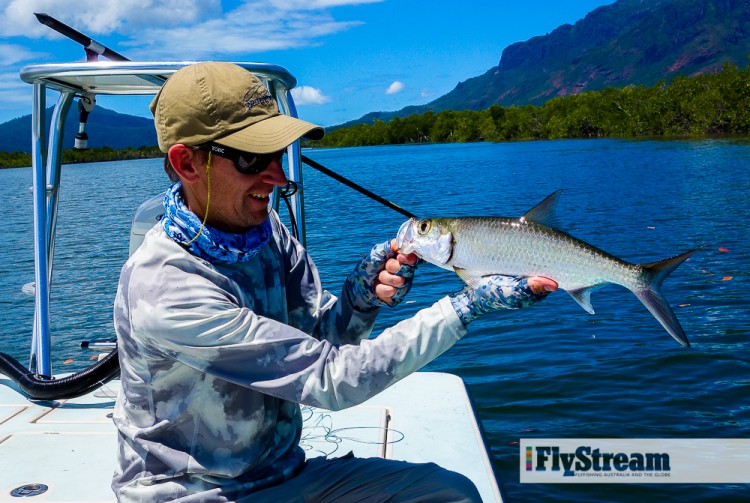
(466, 276)
(583, 297)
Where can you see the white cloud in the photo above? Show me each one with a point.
(152, 30)
(96, 17)
(316, 4)
(234, 35)
(169, 29)
(15, 95)
(306, 95)
(394, 88)
(11, 54)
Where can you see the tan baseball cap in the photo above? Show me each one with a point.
(226, 104)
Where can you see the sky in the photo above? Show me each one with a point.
(350, 57)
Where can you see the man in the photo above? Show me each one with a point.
(224, 328)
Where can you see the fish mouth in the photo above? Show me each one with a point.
(404, 237)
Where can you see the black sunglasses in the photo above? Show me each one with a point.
(244, 162)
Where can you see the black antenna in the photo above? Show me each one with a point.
(93, 48)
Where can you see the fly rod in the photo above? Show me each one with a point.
(356, 187)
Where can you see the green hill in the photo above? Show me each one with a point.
(105, 128)
(628, 42)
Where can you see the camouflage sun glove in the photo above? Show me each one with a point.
(492, 293)
(407, 272)
(360, 284)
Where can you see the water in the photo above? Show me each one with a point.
(546, 372)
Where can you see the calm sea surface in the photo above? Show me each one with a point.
(549, 371)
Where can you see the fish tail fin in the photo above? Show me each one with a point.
(657, 271)
(657, 304)
(653, 299)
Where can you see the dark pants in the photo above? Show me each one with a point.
(370, 480)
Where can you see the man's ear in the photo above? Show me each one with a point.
(184, 162)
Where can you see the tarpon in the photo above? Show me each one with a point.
(532, 246)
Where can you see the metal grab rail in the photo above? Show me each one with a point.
(119, 76)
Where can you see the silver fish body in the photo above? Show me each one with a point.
(531, 246)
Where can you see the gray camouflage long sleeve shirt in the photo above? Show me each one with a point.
(216, 359)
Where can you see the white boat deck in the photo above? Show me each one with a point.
(70, 445)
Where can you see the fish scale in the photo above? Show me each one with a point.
(531, 246)
(530, 249)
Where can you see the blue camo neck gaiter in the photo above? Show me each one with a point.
(211, 244)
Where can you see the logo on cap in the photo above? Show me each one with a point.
(251, 100)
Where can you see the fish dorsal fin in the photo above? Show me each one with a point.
(544, 212)
(583, 297)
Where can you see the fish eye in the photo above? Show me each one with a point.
(424, 226)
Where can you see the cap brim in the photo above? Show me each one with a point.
(271, 135)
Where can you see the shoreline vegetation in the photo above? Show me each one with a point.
(715, 104)
(72, 156)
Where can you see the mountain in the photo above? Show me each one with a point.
(104, 128)
(628, 42)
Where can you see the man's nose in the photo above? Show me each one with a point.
(274, 174)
